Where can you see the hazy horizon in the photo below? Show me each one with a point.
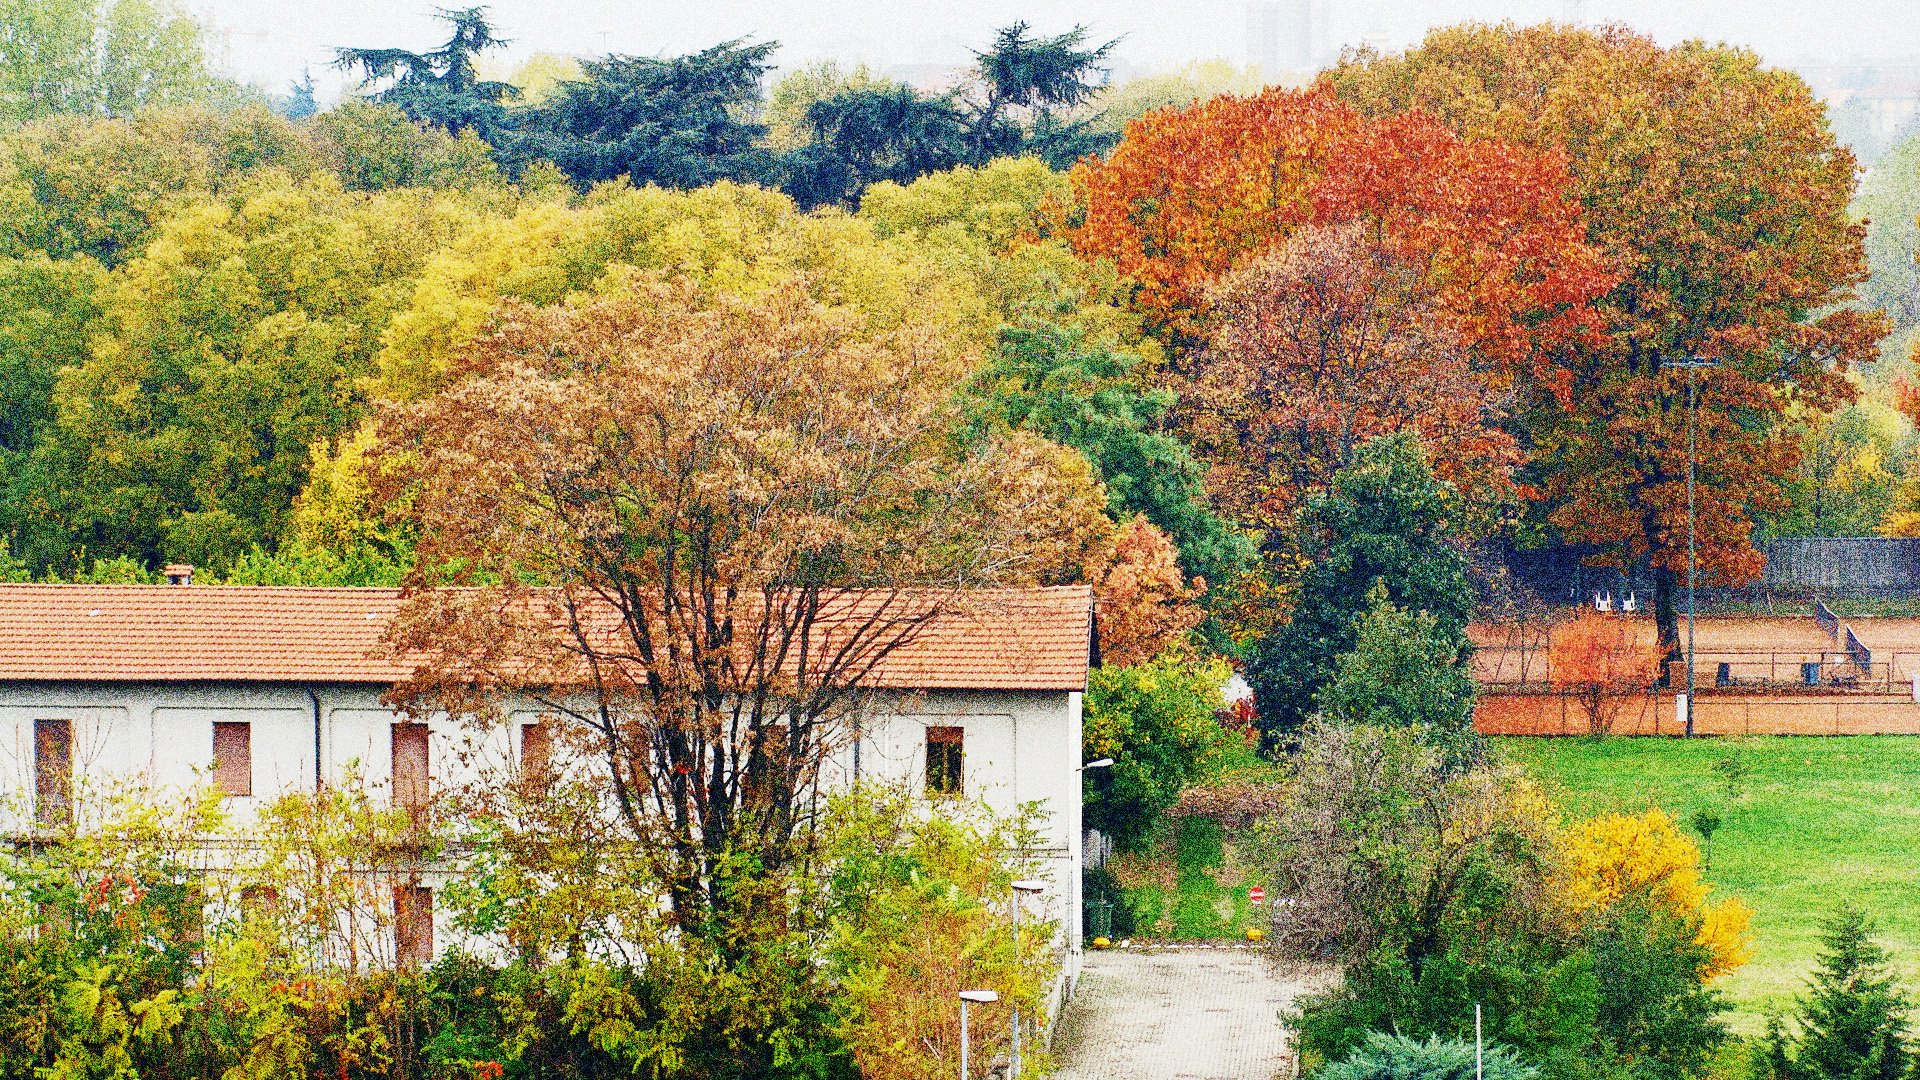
(269, 42)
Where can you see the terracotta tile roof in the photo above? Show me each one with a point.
(1014, 639)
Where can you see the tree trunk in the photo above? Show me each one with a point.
(1666, 619)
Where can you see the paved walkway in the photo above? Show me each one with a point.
(1186, 1014)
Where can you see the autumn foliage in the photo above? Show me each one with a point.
(1717, 192)
(693, 479)
(1146, 604)
(1189, 196)
(1620, 856)
(1600, 660)
(1332, 340)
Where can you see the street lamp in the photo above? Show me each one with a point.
(1029, 888)
(981, 997)
(1098, 763)
(1691, 365)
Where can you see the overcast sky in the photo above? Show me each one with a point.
(268, 42)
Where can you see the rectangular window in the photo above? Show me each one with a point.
(536, 754)
(412, 925)
(53, 772)
(946, 761)
(233, 757)
(410, 764)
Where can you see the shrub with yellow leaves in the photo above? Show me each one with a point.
(1617, 856)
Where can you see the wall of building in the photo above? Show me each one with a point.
(156, 740)
(1714, 714)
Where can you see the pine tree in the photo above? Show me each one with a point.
(1853, 1020)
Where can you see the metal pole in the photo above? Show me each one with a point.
(1692, 409)
(1479, 1071)
(1013, 1056)
(963, 1039)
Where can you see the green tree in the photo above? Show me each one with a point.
(863, 135)
(374, 147)
(47, 309)
(1846, 483)
(441, 87)
(99, 59)
(1852, 1023)
(1384, 519)
(679, 122)
(1655, 1013)
(219, 358)
(1889, 203)
(1159, 722)
(1027, 95)
(78, 185)
(1028, 87)
(1405, 671)
(1053, 381)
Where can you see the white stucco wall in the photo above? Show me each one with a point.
(1020, 747)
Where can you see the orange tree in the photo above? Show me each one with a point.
(1190, 195)
(1192, 202)
(1599, 660)
(1719, 196)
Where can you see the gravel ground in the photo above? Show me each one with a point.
(1177, 1014)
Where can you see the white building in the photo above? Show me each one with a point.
(266, 690)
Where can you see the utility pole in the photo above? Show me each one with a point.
(1691, 365)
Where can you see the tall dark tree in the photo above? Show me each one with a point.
(1384, 520)
(863, 135)
(1027, 86)
(1853, 1019)
(680, 121)
(1023, 98)
(442, 87)
(299, 101)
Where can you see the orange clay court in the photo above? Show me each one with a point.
(1768, 675)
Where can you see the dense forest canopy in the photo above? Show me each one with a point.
(205, 291)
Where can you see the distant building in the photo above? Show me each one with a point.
(1284, 35)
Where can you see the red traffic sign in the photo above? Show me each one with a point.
(1256, 895)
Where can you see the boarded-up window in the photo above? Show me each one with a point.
(53, 772)
(259, 901)
(536, 755)
(410, 768)
(946, 761)
(191, 926)
(233, 757)
(412, 925)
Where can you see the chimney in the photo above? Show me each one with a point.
(179, 573)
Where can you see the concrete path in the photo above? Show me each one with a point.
(1178, 1014)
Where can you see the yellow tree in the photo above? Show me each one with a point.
(1621, 856)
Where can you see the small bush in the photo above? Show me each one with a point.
(1396, 1057)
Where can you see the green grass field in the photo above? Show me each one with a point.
(1807, 823)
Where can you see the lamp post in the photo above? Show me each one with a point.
(1028, 888)
(976, 996)
(1691, 365)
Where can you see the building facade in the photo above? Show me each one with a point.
(262, 691)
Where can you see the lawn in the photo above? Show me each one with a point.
(1186, 886)
(1807, 822)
